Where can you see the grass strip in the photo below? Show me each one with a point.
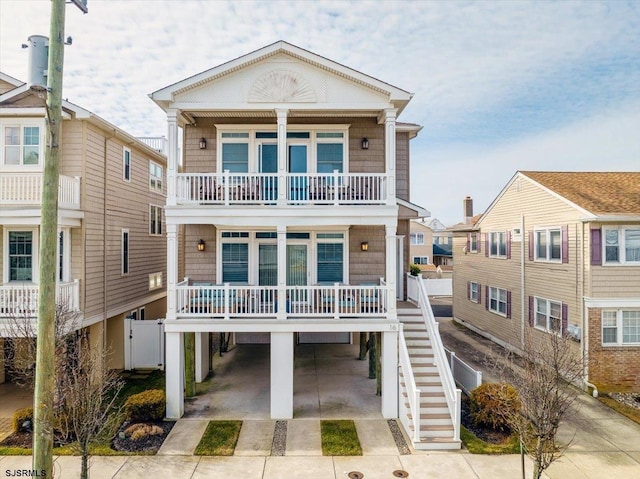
(476, 445)
(219, 439)
(628, 411)
(339, 438)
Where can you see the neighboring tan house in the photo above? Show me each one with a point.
(111, 246)
(558, 253)
(289, 220)
(421, 243)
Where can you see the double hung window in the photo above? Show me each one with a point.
(20, 255)
(548, 315)
(417, 239)
(622, 245)
(498, 300)
(21, 145)
(548, 245)
(620, 327)
(498, 244)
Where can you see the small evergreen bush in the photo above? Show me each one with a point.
(145, 406)
(493, 404)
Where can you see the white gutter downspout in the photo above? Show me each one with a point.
(585, 321)
(522, 281)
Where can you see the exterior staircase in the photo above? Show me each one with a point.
(436, 427)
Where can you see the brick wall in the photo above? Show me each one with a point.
(615, 368)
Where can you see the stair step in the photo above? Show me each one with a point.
(428, 416)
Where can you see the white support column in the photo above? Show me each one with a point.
(389, 359)
(282, 273)
(172, 270)
(391, 271)
(202, 356)
(400, 268)
(175, 375)
(281, 375)
(282, 155)
(172, 155)
(390, 153)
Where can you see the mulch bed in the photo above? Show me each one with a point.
(486, 434)
(147, 444)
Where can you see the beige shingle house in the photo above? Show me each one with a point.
(558, 253)
(289, 222)
(111, 248)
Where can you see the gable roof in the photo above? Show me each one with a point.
(397, 96)
(600, 193)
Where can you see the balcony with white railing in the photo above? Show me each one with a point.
(20, 300)
(288, 189)
(25, 189)
(226, 301)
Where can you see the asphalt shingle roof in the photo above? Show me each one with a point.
(597, 192)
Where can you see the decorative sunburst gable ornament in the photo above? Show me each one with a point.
(281, 86)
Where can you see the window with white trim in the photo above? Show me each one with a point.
(155, 220)
(155, 281)
(417, 239)
(474, 292)
(548, 315)
(124, 257)
(498, 244)
(21, 255)
(473, 242)
(155, 176)
(548, 244)
(498, 300)
(126, 164)
(621, 245)
(621, 327)
(21, 145)
(420, 260)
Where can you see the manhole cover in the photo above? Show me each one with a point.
(400, 473)
(355, 475)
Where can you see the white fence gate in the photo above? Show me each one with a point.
(144, 344)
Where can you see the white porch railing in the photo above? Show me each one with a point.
(416, 287)
(299, 188)
(158, 143)
(413, 393)
(26, 189)
(231, 301)
(21, 300)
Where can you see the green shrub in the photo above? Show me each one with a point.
(493, 404)
(20, 416)
(145, 406)
(414, 269)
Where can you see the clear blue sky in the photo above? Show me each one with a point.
(499, 85)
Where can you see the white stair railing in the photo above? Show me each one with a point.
(413, 393)
(452, 394)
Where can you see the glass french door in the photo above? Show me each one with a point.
(297, 268)
(268, 163)
(298, 190)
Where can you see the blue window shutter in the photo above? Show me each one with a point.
(531, 312)
(486, 297)
(508, 244)
(596, 247)
(565, 243)
(565, 319)
(508, 304)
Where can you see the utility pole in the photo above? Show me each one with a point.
(44, 391)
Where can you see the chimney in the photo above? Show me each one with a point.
(468, 210)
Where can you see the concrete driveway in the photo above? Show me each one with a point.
(329, 382)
